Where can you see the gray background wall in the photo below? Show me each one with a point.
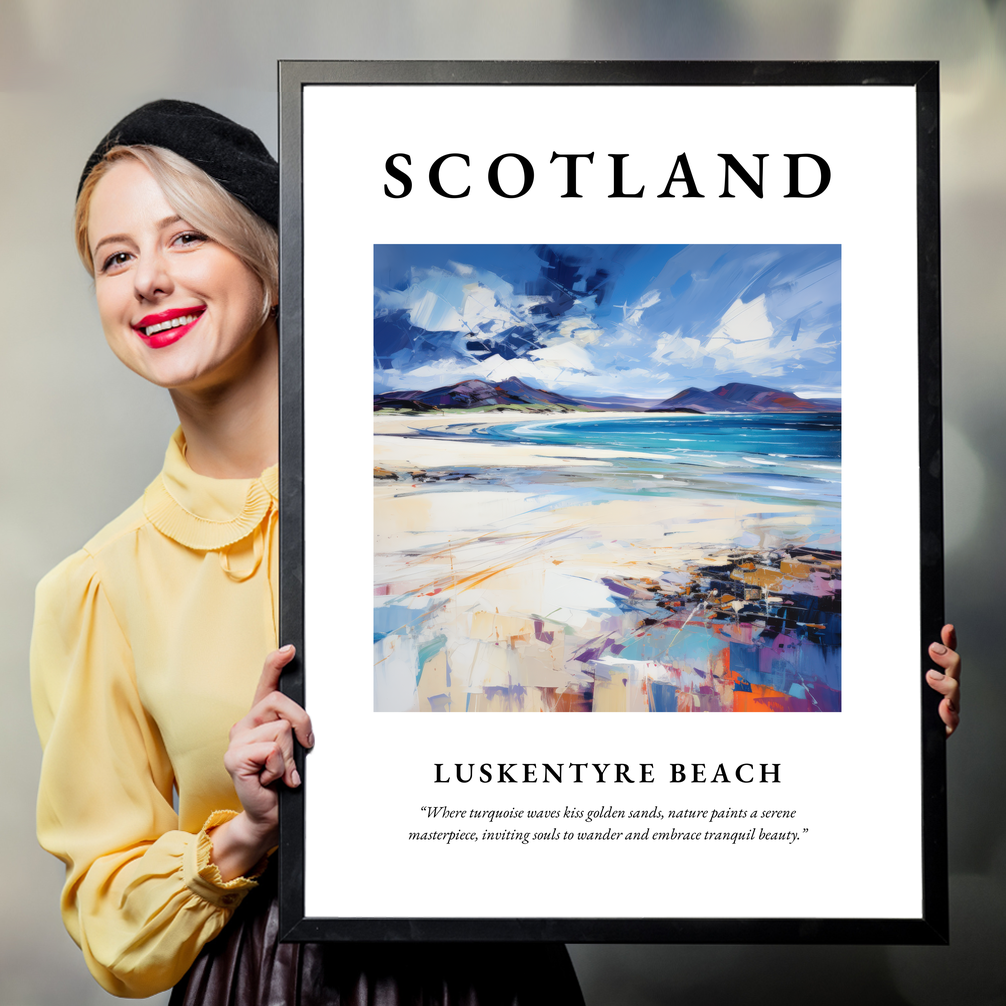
(82, 436)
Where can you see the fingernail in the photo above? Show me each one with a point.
(310, 740)
(287, 649)
(938, 648)
(951, 706)
(295, 777)
(936, 676)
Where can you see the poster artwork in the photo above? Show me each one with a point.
(598, 471)
(607, 478)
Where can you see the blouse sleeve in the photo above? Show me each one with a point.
(141, 898)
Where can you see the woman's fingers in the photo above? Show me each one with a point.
(270, 703)
(947, 686)
(271, 671)
(261, 749)
(949, 710)
(277, 736)
(274, 766)
(261, 761)
(947, 680)
(948, 658)
(949, 636)
(277, 706)
(950, 716)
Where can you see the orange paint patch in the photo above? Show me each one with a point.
(761, 699)
(791, 567)
(760, 576)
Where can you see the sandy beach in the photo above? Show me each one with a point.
(514, 576)
(396, 443)
(396, 423)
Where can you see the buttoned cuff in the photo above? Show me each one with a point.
(202, 876)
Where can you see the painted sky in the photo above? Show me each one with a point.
(645, 321)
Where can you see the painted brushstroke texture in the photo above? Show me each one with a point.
(618, 553)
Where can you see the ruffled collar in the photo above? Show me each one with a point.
(203, 513)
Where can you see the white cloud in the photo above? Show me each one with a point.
(465, 300)
(581, 330)
(563, 356)
(745, 340)
(386, 301)
(482, 312)
(442, 373)
(632, 314)
(432, 313)
(495, 368)
(680, 349)
(746, 322)
(430, 375)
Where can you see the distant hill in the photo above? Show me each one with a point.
(476, 394)
(515, 394)
(736, 397)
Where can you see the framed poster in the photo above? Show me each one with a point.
(610, 392)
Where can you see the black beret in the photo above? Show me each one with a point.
(231, 154)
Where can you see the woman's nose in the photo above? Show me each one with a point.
(152, 277)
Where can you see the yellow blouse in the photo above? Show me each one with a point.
(147, 647)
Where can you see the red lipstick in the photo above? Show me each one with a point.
(166, 327)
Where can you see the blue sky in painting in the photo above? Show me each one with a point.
(644, 321)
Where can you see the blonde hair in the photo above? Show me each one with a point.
(199, 200)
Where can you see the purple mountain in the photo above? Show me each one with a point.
(476, 394)
(736, 397)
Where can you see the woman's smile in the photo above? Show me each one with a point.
(166, 327)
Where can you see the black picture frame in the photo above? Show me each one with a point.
(931, 927)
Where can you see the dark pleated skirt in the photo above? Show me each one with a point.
(246, 965)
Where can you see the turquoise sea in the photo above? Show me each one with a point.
(770, 457)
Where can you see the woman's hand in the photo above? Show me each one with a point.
(948, 681)
(260, 753)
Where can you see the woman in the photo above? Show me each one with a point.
(149, 643)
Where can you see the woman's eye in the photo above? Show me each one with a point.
(114, 261)
(190, 238)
